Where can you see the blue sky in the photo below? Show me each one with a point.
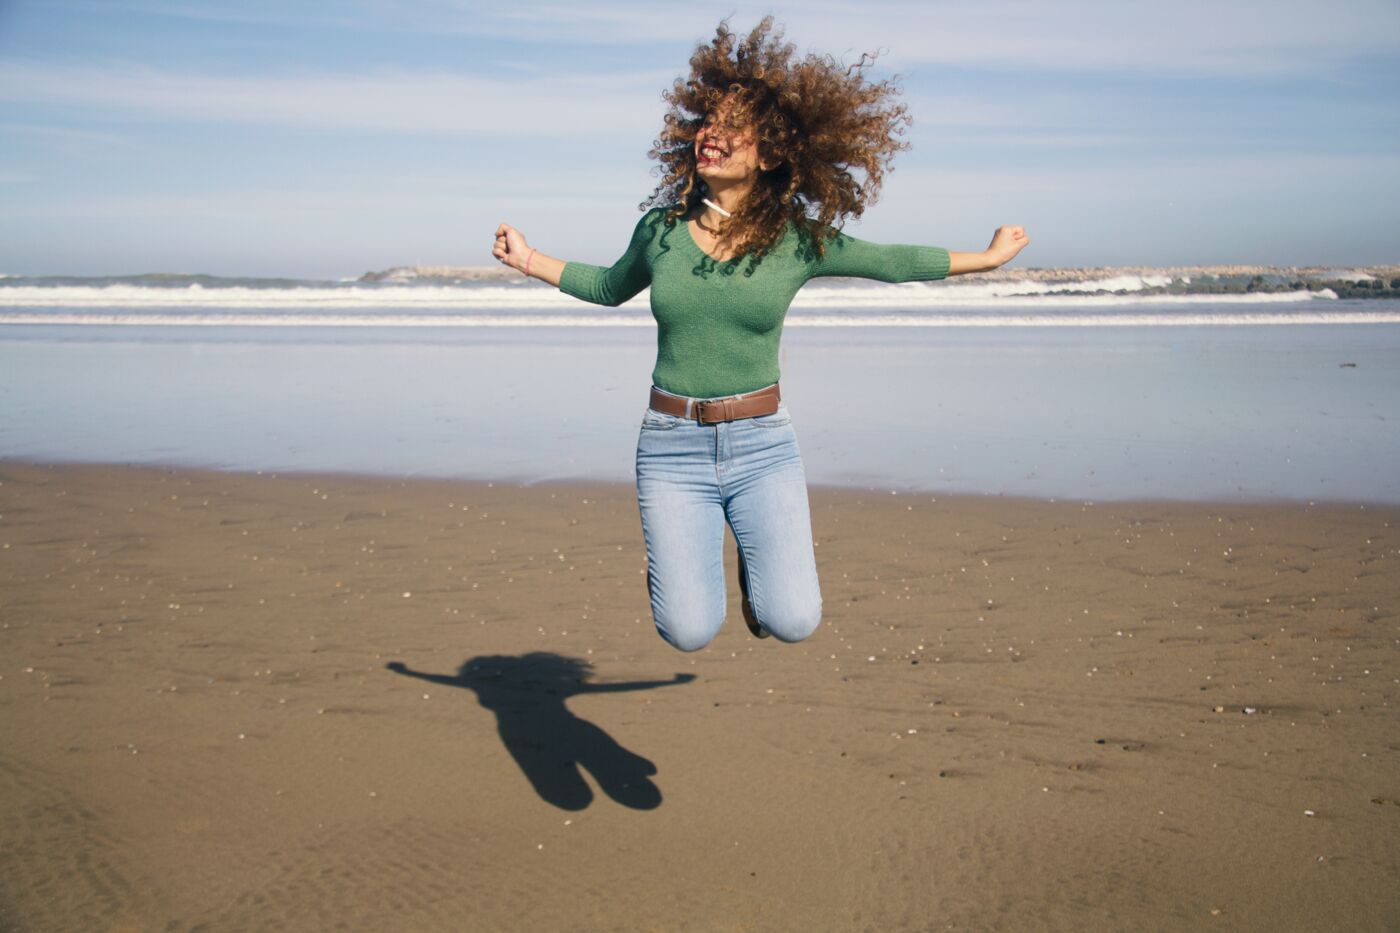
(323, 139)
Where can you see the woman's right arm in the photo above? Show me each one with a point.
(512, 250)
(610, 286)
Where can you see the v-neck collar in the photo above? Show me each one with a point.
(702, 255)
(690, 238)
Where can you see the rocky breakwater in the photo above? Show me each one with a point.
(1381, 281)
(442, 274)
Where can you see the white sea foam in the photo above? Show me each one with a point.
(917, 295)
(1130, 283)
(309, 297)
(1181, 318)
(1122, 290)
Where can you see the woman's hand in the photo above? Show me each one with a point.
(1006, 243)
(512, 250)
(511, 247)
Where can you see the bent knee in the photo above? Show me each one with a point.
(793, 623)
(688, 632)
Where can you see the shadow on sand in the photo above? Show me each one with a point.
(527, 694)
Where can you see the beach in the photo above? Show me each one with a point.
(327, 343)
(323, 606)
(313, 701)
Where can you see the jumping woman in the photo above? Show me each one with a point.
(757, 153)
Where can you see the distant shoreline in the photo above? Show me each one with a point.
(1026, 273)
(1377, 281)
(1370, 281)
(1384, 271)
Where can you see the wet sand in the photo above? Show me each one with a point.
(1214, 413)
(308, 702)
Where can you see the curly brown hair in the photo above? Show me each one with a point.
(818, 120)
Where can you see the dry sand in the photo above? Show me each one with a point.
(1017, 715)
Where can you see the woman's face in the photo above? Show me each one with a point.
(722, 154)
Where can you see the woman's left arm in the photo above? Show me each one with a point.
(1006, 243)
(850, 256)
(1004, 247)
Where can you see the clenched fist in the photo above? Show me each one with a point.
(1006, 243)
(510, 247)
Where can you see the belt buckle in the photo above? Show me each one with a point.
(725, 405)
(703, 407)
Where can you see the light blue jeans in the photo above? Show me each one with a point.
(691, 479)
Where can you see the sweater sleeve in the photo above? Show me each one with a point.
(846, 255)
(620, 282)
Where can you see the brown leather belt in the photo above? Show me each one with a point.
(710, 411)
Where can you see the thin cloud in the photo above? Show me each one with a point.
(440, 199)
(621, 104)
(1226, 177)
(402, 101)
(248, 13)
(1187, 38)
(73, 139)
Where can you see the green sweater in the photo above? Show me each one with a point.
(718, 328)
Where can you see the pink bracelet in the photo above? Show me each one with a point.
(527, 262)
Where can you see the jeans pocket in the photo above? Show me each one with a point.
(654, 420)
(778, 419)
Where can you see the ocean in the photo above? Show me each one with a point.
(1109, 387)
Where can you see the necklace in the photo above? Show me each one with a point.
(716, 207)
